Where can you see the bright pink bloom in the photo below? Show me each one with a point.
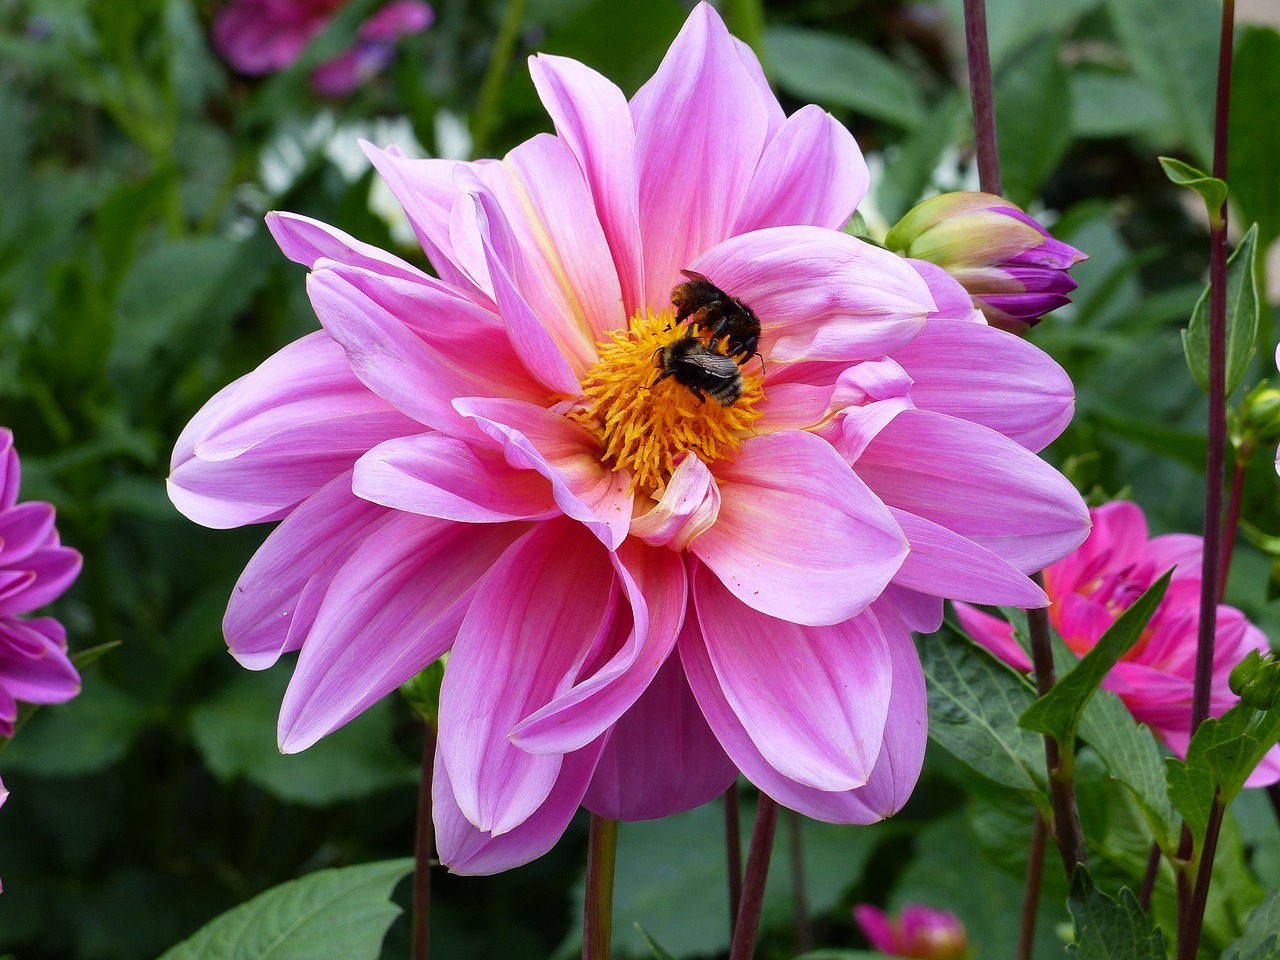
(916, 932)
(1093, 586)
(35, 569)
(263, 36)
(643, 593)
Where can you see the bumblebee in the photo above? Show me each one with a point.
(702, 369)
(706, 305)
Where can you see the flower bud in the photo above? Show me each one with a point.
(1260, 414)
(423, 692)
(916, 932)
(1256, 680)
(1014, 271)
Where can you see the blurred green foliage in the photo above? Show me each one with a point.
(137, 279)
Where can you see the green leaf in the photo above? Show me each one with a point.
(1108, 104)
(1058, 712)
(1252, 170)
(654, 947)
(910, 168)
(1107, 929)
(1012, 24)
(86, 735)
(340, 914)
(974, 705)
(236, 733)
(838, 71)
(1243, 308)
(1174, 45)
(1033, 112)
(1260, 940)
(1212, 190)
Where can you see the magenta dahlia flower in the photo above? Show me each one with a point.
(647, 582)
(35, 569)
(917, 931)
(263, 36)
(1008, 263)
(1093, 586)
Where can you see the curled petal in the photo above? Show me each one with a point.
(799, 536)
(307, 241)
(34, 666)
(44, 576)
(10, 470)
(24, 529)
(688, 507)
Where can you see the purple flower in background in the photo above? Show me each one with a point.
(916, 932)
(262, 36)
(34, 570)
(1014, 271)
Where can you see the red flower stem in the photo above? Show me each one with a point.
(1149, 878)
(422, 844)
(1066, 817)
(1031, 889)
(1232, 523)
(597, 913)
(733, 852)
(804, 933)
(747, 928)
(1191, 903)
(981, 95)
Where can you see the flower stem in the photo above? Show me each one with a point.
(747, 928)
(1149, 878)
(423, 842)
(1066, 818)
(982, 95)
(799, 897)
(504, 46)
(1191, 920)
(733, 852)
(1232, 522)
(597, 916)
(1031, 889)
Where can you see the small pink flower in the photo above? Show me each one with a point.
(35, 569)
(643, 592)
(263, 36)
(1094, 585)
(1008, 263)
(917, 931)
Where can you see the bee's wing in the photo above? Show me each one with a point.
(713, 364)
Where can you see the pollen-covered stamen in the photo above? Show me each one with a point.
(646, 422)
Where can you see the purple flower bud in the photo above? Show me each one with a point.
(916, 932)
(1014, 271)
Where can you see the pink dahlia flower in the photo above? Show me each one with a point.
(644, 591)
(1094, 585)
(916, 932)
(1008, 263)
(35, 569)
(263, 36)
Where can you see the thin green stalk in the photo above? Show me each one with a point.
(799, 896)
(504, 46)
(422, 847)
(748, 926)
(597, 914)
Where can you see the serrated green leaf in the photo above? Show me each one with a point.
(974, 705)
(1058, 712)
(1261, 937)
(1108, 929)
(838, 71)
(1252, 170)
(338, 914)
(1212, 190)
(1243, 307)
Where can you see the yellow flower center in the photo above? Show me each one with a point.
(646, 422)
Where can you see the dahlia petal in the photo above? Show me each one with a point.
(435, 475)
(701, 122)
(538, 615)
(688, 507)
(820, 295)
(1267, 771)
(467, 850)
(392, 609)
(567, 269)
(799, 536)
(54, 568)
(10, 470)
(1181, 550)
(948, 565)
(271, 610)
(306, 241)
(533, 438)
(952, 300)
(591, 116)
(34, 666)
(662, 758)
(269, 440)
(979, 484)
(1017, 389)
(812, 172)
(24, 528)
(921, 612)
(994, 634)
(813, 700)
(654, 580)
(776, 116)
